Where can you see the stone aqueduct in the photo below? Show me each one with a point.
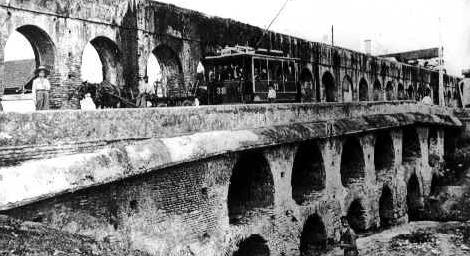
(214, 180)
(126, 32)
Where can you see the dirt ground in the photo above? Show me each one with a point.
(417, 238)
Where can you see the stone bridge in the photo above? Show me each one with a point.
(220, 180)
(126, 32)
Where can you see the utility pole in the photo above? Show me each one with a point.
(441, 68)
(332, 35)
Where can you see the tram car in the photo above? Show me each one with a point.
(244, 75)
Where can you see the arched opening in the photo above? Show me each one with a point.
(386, 211)
(389, 94)
(330, 89)
(352, 163)
(347, 89)
(413, 199)
(411, 151)
(357, 216)
(251, 189)
(26, 49)
(154, 73)
(378, 91)
(171, 78)
(109, 60)
(433, 149)
(384, 153)
(308, 174)
(307, 92)
(90, 61)
(313, 240)
(363, 90)
(254, 245)
(401, 92)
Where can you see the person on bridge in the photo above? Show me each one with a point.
(348, 239)
(427, 98)
(41, 88)
(272, 95)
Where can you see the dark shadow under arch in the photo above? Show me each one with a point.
(172, 71)
(309, 91)
(330, 88)
(352, 163)
(411, 145)
(308, 173)
(254, 245)
(386, 210)
(414, 199)
(384, 152)
(378, 91)
(313, 240)
(363, 90)
(357, 217)
(251, 189)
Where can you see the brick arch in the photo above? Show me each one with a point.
(255, 245)
(352, 162)
(384, 152)
(414, 198)
(314, 238)
(329, 85)
(308, 173)
(411, 147)
(171, 67)
(377, 89)
(357, 216)
(251, 188)
(42, 44)
(433, 151)
(386, 206)
(111, 59)
(363, 90)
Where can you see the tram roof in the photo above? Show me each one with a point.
(251, 54)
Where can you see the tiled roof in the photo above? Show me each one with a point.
(18, 73)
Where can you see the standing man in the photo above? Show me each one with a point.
(143, 93)
(41, 88)
(348, 239)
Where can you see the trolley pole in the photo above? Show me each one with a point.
(441, 77)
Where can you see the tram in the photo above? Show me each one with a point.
(244, 75)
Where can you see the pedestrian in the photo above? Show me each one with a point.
(143, 93)
(427, 98)
(87, 103)
(348, 239)
(272, 95)
(41, 88)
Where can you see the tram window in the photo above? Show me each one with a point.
(261, 69)
(290, 85)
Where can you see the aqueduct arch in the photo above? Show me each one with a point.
(254, 245)
(389, 91)
(308, 173)
(352, 163)
(251, 187)
(363, 90)
(329, 86)
(171, 69)
(111, 59)
(357, 216)
(411, 146)
(313, 240)
(414, 198)
(42, 44)
(386, 210)
(384, 152)
(378, 94)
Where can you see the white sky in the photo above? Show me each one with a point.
(392, 25)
